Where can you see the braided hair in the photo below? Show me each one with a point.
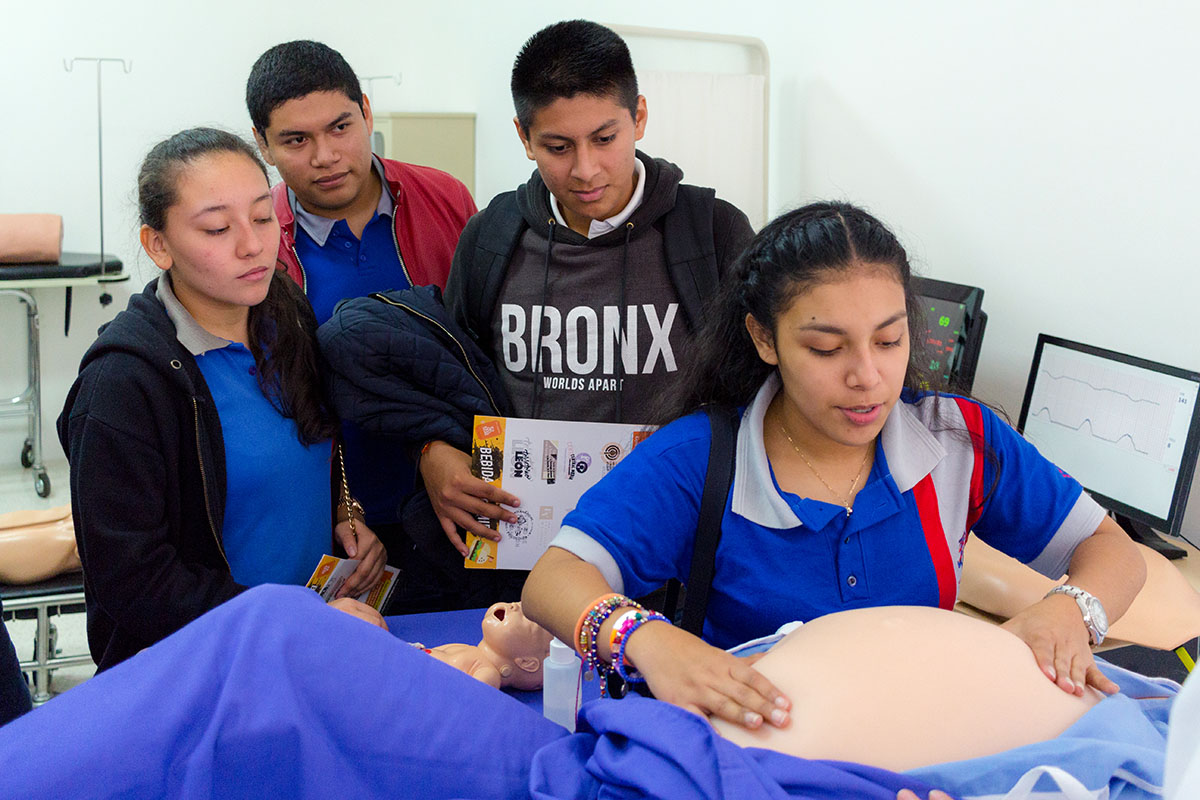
(793, 253)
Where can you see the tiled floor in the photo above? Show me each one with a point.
(17, 492)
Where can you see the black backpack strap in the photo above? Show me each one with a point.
(717, 480)
(501, 225)
(690, 249)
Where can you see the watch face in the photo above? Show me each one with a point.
(1096, 611)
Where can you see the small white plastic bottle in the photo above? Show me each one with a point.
(560, 685)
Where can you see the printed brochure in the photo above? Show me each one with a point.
(548, 465)
(332, 572)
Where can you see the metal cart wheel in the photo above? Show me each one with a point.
(41, 483)
(27, 454)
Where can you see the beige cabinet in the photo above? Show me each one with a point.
(445, 141)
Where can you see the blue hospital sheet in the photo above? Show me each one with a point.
(1116, 751)
(274, 694)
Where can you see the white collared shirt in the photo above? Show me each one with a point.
(599, 227)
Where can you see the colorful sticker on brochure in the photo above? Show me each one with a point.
(481, 553)
(321, 574)
(487, 464)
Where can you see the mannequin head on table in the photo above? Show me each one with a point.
(510, 654)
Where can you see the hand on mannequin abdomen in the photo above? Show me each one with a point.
(903, 687)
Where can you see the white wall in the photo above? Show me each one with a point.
(1043, 150)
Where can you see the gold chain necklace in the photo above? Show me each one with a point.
(847, 502)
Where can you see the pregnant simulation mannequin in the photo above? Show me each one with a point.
(858, 680)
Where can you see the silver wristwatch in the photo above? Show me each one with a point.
(1093, 612)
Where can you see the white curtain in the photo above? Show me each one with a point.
(711, 125)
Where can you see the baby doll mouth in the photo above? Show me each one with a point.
(498, 612)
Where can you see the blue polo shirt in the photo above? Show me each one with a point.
(338, 266)
(278, 502)
(783, 557)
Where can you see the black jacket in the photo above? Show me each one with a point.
(147, 483)
(701, 237)
(401, 368)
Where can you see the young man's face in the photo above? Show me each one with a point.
(584, 149)
(321, 145)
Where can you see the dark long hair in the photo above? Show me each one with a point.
(791, 254)
(282, 328)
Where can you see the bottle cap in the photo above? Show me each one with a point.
(561, 652)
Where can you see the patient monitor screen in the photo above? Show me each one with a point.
(1117, 424)
(945, 321)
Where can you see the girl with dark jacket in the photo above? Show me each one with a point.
(200, 443)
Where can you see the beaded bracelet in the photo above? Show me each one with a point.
(614, 639)
(580, 646)
(629, 624)
(592, 621)
(587, 632)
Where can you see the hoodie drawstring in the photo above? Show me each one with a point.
(621, 324)
(537, 326)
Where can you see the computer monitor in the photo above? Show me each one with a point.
(1128, 429)
(952, 335)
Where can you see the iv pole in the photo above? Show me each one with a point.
(127, 67)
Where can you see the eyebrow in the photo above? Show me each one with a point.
(823, 328)
(345, 115)
(222, 207)
(559, 137)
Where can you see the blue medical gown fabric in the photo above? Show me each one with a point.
(1117, 750)
(637, 748)
(275, 695)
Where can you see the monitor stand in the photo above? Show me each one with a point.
(1142, 533)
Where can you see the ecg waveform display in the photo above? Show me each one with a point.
(1118, 408)
(1118, 428)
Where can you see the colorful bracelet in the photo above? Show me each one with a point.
(614, 639)
(629, 624)
(580, 646)
(587, 632)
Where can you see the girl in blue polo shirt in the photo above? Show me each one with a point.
(199, 440)
(851, 486)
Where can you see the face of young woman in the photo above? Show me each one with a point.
(221, 237)
(842, 352)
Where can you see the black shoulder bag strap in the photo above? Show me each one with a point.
(501, 226)
(691, 251)
(717, 480)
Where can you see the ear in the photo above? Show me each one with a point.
(639, 119)
(764, 341)
(367, 115)
(528, 663)
(505, 670)
(263, 148)
(524, 139)
(155, 246)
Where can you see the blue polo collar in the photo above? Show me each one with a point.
(319, 228)
(905, 453)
